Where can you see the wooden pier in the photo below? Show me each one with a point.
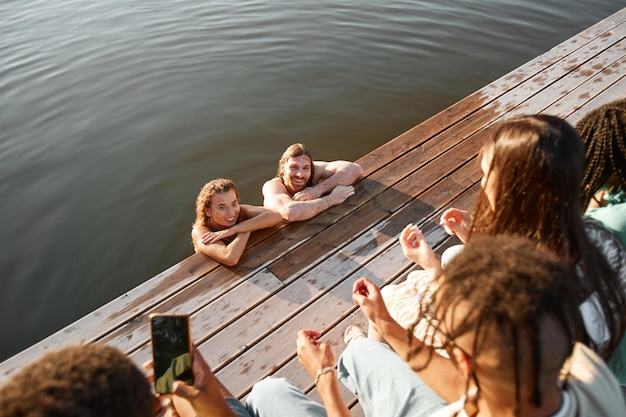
(300, 275)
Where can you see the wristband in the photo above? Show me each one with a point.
(324, 371)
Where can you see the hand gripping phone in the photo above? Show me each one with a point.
(171, 350)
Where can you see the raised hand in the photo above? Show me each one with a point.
(313, 355)
(456, 222)
(367, 296)
(416, 248)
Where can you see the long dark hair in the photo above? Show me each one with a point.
(537, 164)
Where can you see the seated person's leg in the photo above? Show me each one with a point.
(277, 397)
(383, 382)
(237, 407)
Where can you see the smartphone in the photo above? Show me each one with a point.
(171, 350)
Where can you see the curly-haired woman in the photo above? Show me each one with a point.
(223, 225)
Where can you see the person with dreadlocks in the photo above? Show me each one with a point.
(509, 318)
(532, 170)
(603, 194)
(603, 132)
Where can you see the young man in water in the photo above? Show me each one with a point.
(303, 187)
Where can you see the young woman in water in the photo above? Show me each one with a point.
(222, 225)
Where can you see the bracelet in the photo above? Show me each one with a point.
(324, 371)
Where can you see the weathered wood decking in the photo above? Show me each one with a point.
(300, 275)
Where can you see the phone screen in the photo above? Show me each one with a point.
(171, 351)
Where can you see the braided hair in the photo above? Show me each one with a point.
(603, 132)
(507, 295)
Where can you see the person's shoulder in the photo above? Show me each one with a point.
(592, 383)
(454, 409)
(596, 229)
(601, 235)
(198, 231)
(275, 186)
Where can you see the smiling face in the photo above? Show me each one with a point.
(296, 173)
(223, 210)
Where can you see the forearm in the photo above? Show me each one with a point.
(302, 210)
(235, 249)
(328, 388)
(430, 263)
(346, 176)
(263, 220)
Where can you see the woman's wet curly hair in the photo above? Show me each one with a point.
(511, 289)
(92, 380)
(603, 132)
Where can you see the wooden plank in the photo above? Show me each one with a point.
(214, 316)
(450, 116)
(303, 250)
(573, 90)
(579, 98)
(114, 314)
(614, 92)
(325, 310)
(290, 270)
(247, 366)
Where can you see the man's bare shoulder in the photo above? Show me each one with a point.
(326, 169)
(274, 186)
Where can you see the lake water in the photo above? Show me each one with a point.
(114, 113)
